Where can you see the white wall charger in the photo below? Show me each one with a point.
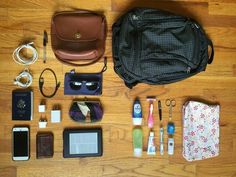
(55, 116)
(42, 108)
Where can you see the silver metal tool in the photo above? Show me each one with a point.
(161, 129)
(170, 103)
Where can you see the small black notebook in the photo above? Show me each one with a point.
(22, 105)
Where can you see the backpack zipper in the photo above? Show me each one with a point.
(175, 19)
(197, 30)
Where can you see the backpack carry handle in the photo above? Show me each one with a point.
(212, 51)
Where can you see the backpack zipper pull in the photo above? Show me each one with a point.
(188, 70)
(196, 25)
(135, 17)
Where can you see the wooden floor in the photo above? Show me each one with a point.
(27, 19)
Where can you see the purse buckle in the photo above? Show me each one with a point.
(77, 35)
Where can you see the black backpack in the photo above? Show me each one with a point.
(156, 47)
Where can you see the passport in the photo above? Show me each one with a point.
(22, 105)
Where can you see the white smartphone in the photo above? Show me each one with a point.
(20, 150)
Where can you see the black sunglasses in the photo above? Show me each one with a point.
(90, 85)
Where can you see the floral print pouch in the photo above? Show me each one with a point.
(200, 130)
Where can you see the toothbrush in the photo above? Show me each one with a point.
(150, 116)
(161, 129)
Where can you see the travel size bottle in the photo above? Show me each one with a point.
(137, 141)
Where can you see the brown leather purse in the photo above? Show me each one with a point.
(78, 37)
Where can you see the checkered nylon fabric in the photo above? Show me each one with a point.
(157, 47)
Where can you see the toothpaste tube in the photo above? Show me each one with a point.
(151, 145)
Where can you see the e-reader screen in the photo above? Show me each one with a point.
(82, 142)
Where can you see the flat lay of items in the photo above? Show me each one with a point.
(148, 46)
(138, 133)
(75, 45)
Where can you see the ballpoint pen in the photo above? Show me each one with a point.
(45, 41)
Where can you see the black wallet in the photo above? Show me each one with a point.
(44, 142)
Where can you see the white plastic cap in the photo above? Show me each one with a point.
(151, 134)
(137, 121)
(137, 152)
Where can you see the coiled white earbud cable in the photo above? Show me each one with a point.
(25, 61)
(24, 79)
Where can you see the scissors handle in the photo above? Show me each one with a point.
(170, 102)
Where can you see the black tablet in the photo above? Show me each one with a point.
(82, 142)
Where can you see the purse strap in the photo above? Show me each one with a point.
(103, 69)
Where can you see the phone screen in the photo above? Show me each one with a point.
(20, 143)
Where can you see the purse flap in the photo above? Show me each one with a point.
(77, 26)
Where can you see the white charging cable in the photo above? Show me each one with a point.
(22, 60)
(24, 79)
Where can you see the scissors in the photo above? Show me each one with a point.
(170, 103)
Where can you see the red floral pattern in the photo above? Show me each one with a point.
(200, 131)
